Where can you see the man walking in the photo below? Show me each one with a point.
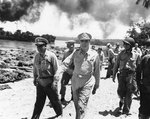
(143, 79)
(86, 64)
(45, 70)
(125, 65)
(68, 73)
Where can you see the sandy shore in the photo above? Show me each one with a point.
(18, 102)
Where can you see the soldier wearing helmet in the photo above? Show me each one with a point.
(130, 41)
(125, 67)
(143, 80)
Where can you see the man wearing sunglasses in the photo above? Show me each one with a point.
(86, 69)
(45, 72)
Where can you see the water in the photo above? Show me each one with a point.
(27, 45)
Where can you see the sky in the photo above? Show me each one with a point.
(101, 18)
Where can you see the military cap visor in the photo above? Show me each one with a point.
(84, 36)
(41, 41)
(70, 42)
(125, 42)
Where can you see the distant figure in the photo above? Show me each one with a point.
(137, 49)
(117, 50)
(125, 67)
(86, 64)
(93, 47)
(111, 59)
(101, 56)
(45, 72)
(143, 79)
(68, 73)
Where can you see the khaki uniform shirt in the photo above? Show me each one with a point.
(45, 67)
(66, 54)
(126, 60)
(86, 65)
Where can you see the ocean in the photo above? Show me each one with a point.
(27, 45)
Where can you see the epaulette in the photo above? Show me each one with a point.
(78, 48)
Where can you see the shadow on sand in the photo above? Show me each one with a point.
(53, 117)
(115, 113)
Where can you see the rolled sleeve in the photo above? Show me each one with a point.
(67, 62)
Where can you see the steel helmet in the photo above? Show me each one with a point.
(147, 42)
(130, 41)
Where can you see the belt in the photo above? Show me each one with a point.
(82, 75)
(127, 70)
(46, 77)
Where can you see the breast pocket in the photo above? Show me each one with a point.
(45, 65)
(86, 67)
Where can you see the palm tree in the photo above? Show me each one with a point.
(146, 3)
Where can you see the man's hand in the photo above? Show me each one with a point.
(54, 84)
(96, 86)
(113, 79)
(35, 82)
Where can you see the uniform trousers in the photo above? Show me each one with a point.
(41, 93)
(125, 90)
(144, 110)
(81, 97)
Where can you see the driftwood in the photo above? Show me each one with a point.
(5, 86)
(11, 75)
(27, 69)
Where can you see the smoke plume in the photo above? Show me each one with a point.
(105, 12)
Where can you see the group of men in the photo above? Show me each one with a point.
(83, 67)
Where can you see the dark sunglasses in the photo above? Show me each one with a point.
(85, 41)
(40, 45)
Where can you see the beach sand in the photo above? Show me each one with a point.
(18, 102)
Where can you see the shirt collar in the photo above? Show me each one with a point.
(45, 54)
(85, 53)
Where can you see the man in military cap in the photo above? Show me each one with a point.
(125, 65)
(45, 72)
(68, 73)
(86, 68)
(143, 79)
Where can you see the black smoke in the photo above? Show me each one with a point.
(101, 10)
(14, 10)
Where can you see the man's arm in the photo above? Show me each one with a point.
(115, 68)
(56, 67)
(68, 62)
(35, 75)
(139, 71)
(96, 74)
